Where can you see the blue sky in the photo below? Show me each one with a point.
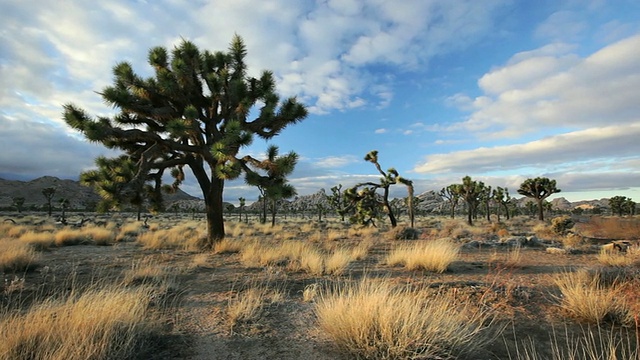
(498, 90)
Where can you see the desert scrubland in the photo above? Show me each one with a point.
(116, 288)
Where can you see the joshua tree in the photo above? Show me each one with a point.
(388, 178)
(452, 194)
(242, 203)
(622, 205)
(64, 204)
(18, 202)
(48, 194)
(538, 189)
(470, 191)
(486, 196)
(273, 185)
(367, 206)
(338, 202)
(502, 198)
(193, 113)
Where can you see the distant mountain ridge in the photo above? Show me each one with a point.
(79, 196)
(82, 196)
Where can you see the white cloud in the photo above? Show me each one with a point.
(335, 161)
(380, 131)
(585, 145)
(535, 91)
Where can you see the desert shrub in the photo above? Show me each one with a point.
(586, 299)
(337, 262)
(403, 233)
(511, 259)
(182, 236)
(372, 319)
(573, 241)
(561, 224)
(109, 323)
(435, 255)
(544, 231)
(99, 235)
(16, 256)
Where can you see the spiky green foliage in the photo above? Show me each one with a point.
(194, 113)
(538, 189)
(271, 178)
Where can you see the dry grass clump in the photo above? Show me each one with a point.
(591, 343)
(586, 299)
(147, 272)
(544, 231)
(372, 319)
(182, 236)
(360, 231)
(435, 255)
(511, 259)
(454, 228)
(296, 256)
(17, 256)
(109, 323)
(99, 235)
(129, 230)
(13, 231)
(227, 246)
(70, 237)
(247, 305)
(38, 240)
(617, 258)
(573, 241)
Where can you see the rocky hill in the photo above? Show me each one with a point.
(80, 196)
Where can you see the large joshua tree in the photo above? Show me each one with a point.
(538, 189)
(193, 113)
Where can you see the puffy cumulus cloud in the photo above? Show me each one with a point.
(551, 88)
(610, 142)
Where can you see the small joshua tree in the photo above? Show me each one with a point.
(452, 195)
(242, 203)
(48, 195)
(388, 178)
(18, 203)
(538, 189)
(502, 198)
(470, 191)
(339, 202)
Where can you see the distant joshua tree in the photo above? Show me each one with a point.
(18, 202)
(502, 198)
(273, 185)
(470, 191)
(452, 195)
(538, 189)
(622, 205)
(242, 202)
(48, 195)
(365, 200)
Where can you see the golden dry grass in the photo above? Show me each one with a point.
(17, 256)
(108, 323)
(186, 236)
(591, 343)
(435, 255)
(616, 258)
(228, 246)
(585, 299)
(511, 259)
(69, 237)
(247, 305)
(372, 319)
(38, 240)
(611, 227)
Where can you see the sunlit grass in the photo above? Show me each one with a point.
(434, 255)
